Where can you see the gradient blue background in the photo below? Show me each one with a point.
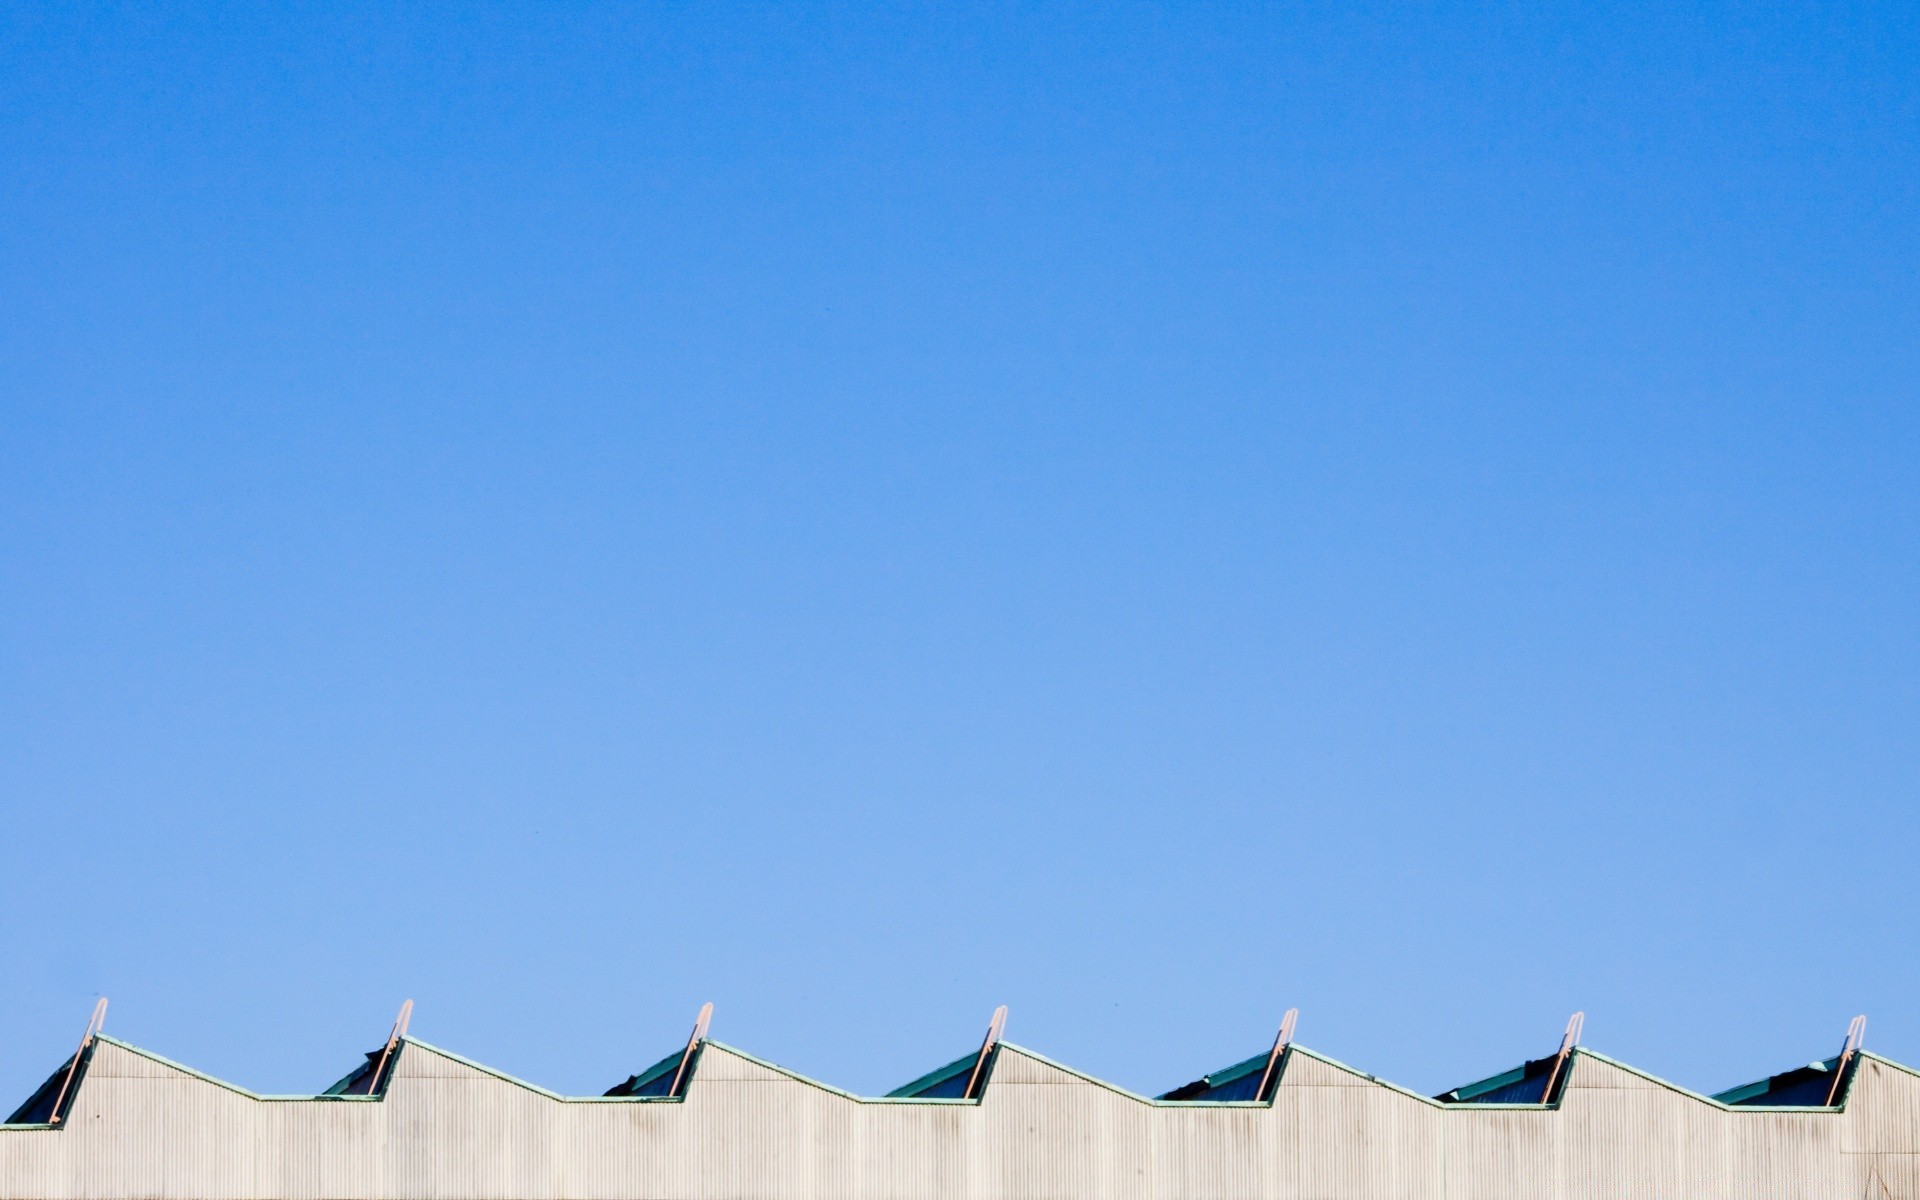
(1147, 515)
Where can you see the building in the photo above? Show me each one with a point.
(1001, 1123)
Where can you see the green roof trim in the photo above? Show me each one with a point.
(665, 1066)
(934, 1078)
(1239, 1070)
(1492, 1083)
(1734, 1096)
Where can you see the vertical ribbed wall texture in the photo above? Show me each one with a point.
(140, 1128)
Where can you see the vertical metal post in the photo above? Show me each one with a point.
(1576, 1024)
(1280, 1045)
(693, 1043)
(393, 1039)
(94, 1024)
(1856, 1037)
(994, 1027)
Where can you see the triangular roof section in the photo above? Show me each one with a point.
(947, 1082)
(1799, 1087)
(1239, 1082)
(1248, 1081)
(668, 1079)
(1819, 1084)
(360, 1080)
(654, 1083)
(39, 1108)
(48, 1104)
(1524, 1084)
(370, 1078)
(964, 1078)
(1536, 1081)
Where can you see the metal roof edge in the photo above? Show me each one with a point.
(1075, 1072)
(484, 1069)
(796, 1076)
(1389, 1084)
(1884, 1061)
(1707, 1100)
(1036, 1056)
(203, 1077)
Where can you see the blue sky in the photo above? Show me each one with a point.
(1148, 515)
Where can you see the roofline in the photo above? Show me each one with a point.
(797, 1077)
(1578, 1051)
(164, 1061)
(1723, 1106)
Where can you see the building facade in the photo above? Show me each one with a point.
(425, 1124)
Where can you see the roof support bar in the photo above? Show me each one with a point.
(94, 1025)
(393, 1039)
(1280, 1045)
(1856, 1037)
(700, 1024)
(994, 1027)
(1576, 1024)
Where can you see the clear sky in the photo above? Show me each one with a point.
(1148, 515)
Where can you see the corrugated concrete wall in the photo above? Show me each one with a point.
(143, 1129)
